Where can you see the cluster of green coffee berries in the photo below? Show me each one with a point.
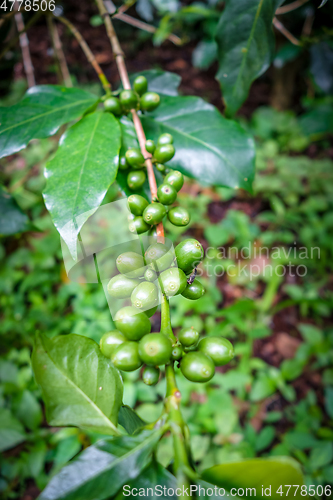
(129, 349)
(138, 98)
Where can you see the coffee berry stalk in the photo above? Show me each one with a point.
(143, 278)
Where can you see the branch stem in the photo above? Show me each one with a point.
(88, 53)
(279, 26)
(59, 53)
(24, 43)
(30, 23)
(120, 61)
(290, 7)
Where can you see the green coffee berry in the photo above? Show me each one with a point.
(149, 101)
(150, 275)
(189, 253)
(126, 357)
(175, 178)
(194, 291)
(138, 225)
(160, 167)
(123, 165)
(121, 286)
(172, 281)
(131, 264)
(155, 349)
(179, 216)
(110, 341)
(150, 375)
(177, 353)
(136, 179)
(150, 146)
(140, 84)
(166, 194)
(164, 153)
(188, 337)
(135, 158)
(132, 323)
(165, 139)
(219, 349)
(159, 257)
(197, 367)
(137, 204)
(129, 100)
(145, 296)
(113, 105)
(154, 213)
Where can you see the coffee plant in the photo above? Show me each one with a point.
(145, 137)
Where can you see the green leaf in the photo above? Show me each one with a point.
(130, 420)
(321, 455)
(156, 477)
(245, 47)
(11, 430)
(41, 112)
(209, 148)
(81, 172)
(12, 219)
(80, 386)
(162, 82)
(204, 54)
(102, 469)
(262, 388)
(257, 473)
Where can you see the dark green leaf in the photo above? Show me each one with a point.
(204, 54)
(40, 114)
(257, 473)
(209, 148)
(12, 219)
(162, 82)
(317, 121)
(156, 477)
(81, 172)
(80, 386)
(245, 47)
(130, 420)
(102, 469)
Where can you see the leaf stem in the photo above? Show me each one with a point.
(120, 61)
(88, 53)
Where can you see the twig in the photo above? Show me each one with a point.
(126, 6)
(279, 26)
(291, 6)
(59, 53)
(308, 23)
(24, 42)
(120, 61)
(89, 55)
(145, 26)
(16, 38)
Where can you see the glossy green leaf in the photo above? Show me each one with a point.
(156, 477)
(78, 177)
(12, 219)
(102, 469)
(80, 386)
(39, 114)
(209, 148)
(245, 42)
(11, 430)
(130, 420)
(257, 473)
(162, 82)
